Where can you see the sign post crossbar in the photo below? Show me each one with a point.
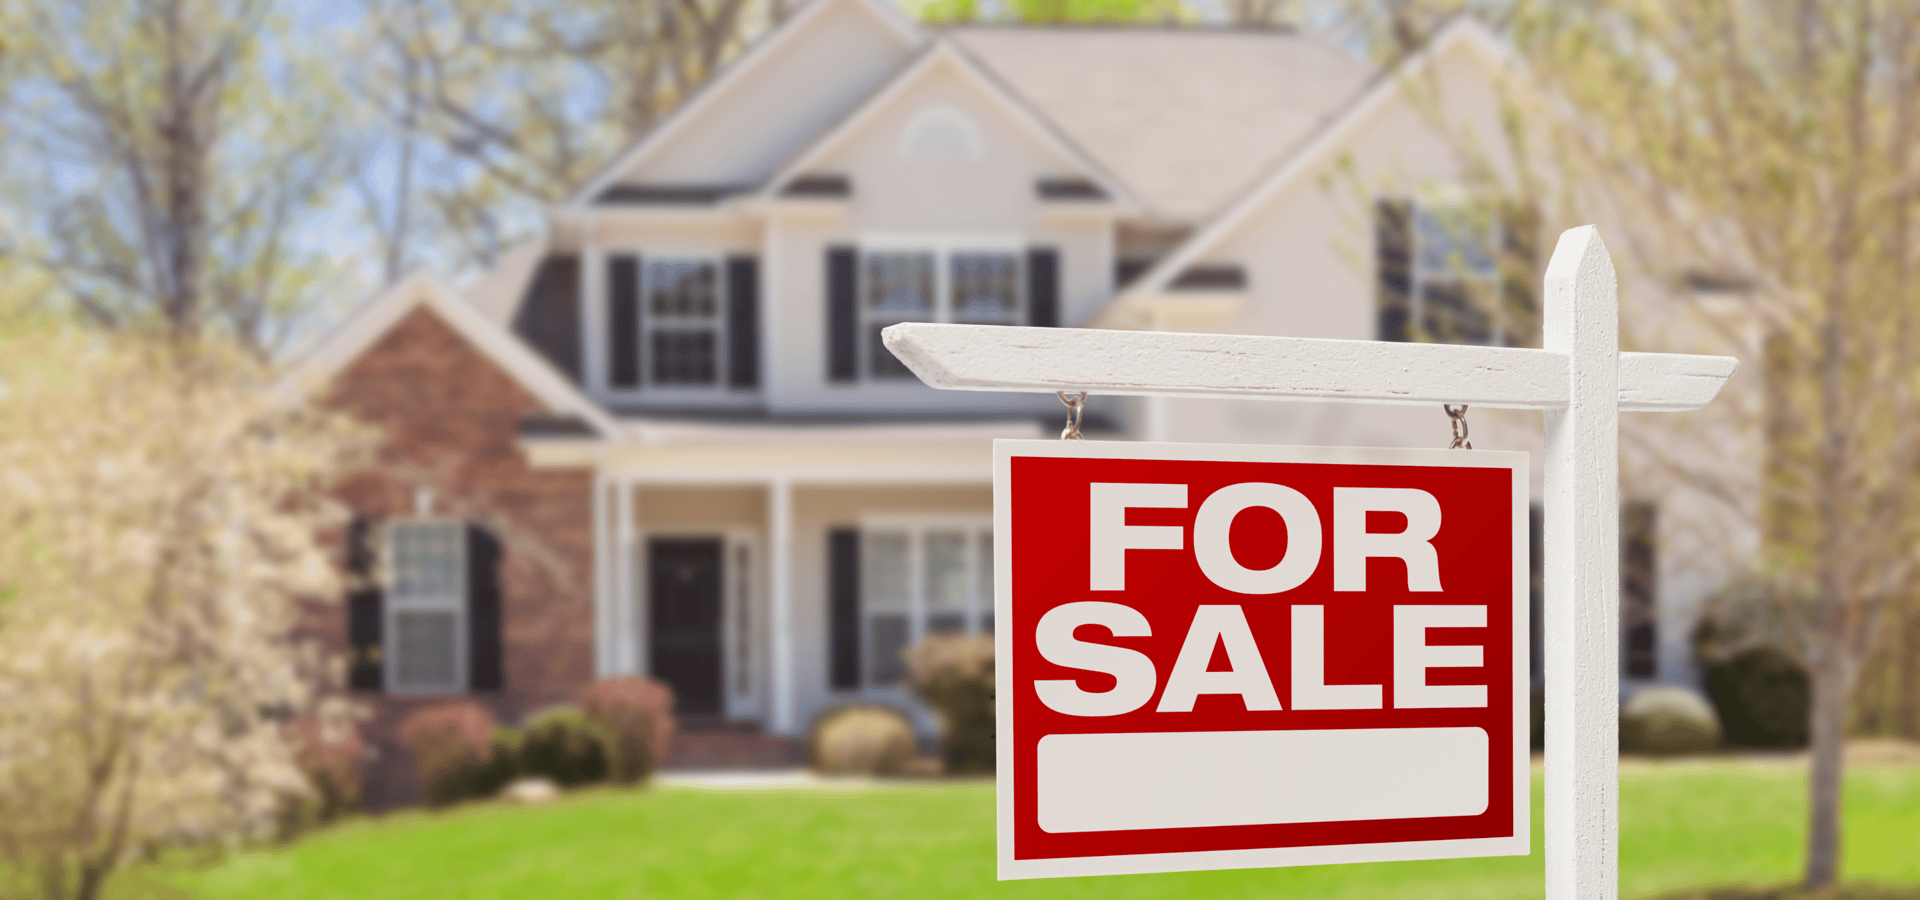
(1580, 379)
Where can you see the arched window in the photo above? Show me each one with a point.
(940, 132)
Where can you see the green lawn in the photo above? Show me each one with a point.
(1683, 825)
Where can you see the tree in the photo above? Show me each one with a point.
(159, 522)
(175, 152)
(512, 105)
(1768, 150)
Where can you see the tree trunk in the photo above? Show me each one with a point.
(1828, 730)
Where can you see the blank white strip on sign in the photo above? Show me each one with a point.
(1200, 779)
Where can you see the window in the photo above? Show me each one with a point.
(980, 286)
(922, 579)
(1456, 276)
(1441, 277)
(426, 606)
(940, 132)
(683, 322)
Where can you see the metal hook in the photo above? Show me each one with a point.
(1076, 402)
(1458, 419)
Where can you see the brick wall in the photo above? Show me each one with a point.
(449, 418)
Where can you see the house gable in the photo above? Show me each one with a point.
(370, 325)
(945, 97)
(1465, 60)
(769, 104)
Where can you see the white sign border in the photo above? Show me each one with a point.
(1519, 844)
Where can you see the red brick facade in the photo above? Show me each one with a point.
(450, 419)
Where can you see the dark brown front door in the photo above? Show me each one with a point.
(684, 581)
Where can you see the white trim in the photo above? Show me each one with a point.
(767, 48)
(373, 320)
(783, 712)
(1300, 165)
(1004, 655)
(631, 640)
(944, 51)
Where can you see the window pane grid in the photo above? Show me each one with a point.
(920, 580)
(933, 285)
(683, 323)
(1455, 277)
(426, 599)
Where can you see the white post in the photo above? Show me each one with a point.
(1582, 587)
(628, 623)
(780, 600)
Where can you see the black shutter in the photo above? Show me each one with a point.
(484, 663)
(1043, 287)
(364, 606)
(623, 321)
(843, 606)
(1639, 580)
(549, 314)
(1393, 250)
(743, 322)
(1520, 275)
(843, 316)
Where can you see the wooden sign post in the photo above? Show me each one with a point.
(1579, 379)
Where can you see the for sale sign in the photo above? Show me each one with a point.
(1217, 656)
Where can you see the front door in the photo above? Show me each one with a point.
(684, 586)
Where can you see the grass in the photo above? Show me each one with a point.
(1684, 825)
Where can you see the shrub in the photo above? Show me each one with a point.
(860, 739)
(562, 743)
(954, 674)
(1762, 696)
(637, 714)
(1667, 720)
(330, 755)
(458, 751)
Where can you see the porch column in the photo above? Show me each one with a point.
(780, 597)
(628, 653)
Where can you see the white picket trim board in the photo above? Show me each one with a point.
(1580, 379)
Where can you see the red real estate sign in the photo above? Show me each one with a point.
(1214, 656)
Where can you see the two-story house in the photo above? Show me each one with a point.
(666, 439)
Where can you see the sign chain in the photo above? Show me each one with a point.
(1457, 416)
(1076, 402)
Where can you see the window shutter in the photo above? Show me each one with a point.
(365, 671)
(743, 322)
(1639, 595)
(1393, 249)
(843, 315)
(623, 321)
(484, 662)
(549, 314)
(1043, 287)
(843, 606)
(1519, 279)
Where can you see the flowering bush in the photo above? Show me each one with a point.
(954, 674)
(637, 715)
(458, 751)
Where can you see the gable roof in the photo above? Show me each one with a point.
(943, 53)
(730, 81)
(1322, 145)
(374, 319)
(1185, 117)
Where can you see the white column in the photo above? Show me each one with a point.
(780, 602)
(629, 655)
(604, 620)
(1582, 543)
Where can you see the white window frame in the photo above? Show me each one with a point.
(942, 248)
(1418, 275)
(979, 531)
(395, 604)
